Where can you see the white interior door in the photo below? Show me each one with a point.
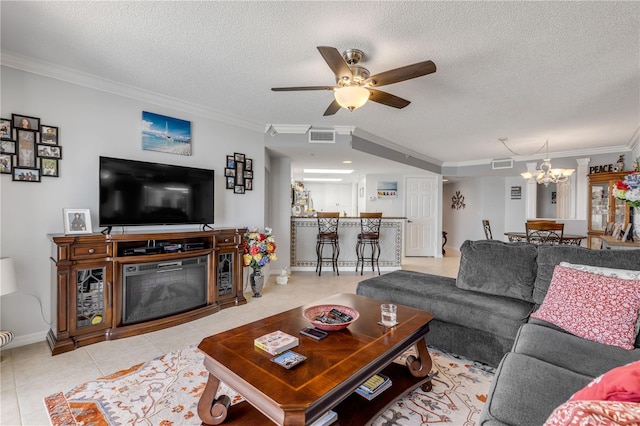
(421, 203)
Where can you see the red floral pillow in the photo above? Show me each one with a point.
(594, 307)
(620, 384)
(595, 413)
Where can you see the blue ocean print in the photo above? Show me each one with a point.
(165, 134)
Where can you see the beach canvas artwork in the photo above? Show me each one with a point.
(165, 134)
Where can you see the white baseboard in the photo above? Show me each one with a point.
(27, 340)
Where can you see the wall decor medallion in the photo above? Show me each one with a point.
(457, 201)
(28, 150)
(165, 134)
(239, 173)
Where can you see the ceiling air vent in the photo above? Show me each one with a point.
(502, 164)
(322, 136)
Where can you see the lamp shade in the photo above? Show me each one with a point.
(8, 282)
(351, 97)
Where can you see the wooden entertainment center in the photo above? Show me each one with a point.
(91, 274)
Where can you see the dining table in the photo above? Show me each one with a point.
(567, 239)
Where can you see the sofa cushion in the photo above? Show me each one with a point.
(595, 307)
(498, 268)
(550, 256)
(439, 295)
(595, 413)
(526, 390)
(619, 384)
(548, 343)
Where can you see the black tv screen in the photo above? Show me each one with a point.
(142, 193)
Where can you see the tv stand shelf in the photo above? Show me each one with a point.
(88, 289)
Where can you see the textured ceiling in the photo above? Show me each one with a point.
(567, 71)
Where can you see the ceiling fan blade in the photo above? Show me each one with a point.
(401, 74)
(336, 62)
(388, 99)
(291, 89)
(333, 108)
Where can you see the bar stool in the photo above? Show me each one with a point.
(369, 236)
(328, 235)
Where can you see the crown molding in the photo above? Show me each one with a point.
(289, 128)
(45, 69)
(616, 149)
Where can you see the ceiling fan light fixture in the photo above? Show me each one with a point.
(351, 97)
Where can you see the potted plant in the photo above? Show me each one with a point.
(259, 249)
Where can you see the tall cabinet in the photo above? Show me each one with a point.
(604, 207)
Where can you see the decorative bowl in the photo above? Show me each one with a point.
(312, 312)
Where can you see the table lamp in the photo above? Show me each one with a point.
(8, 285)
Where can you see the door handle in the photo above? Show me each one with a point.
(409, 221)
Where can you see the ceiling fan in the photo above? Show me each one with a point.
(355, 86)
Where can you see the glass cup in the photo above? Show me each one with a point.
(388, 312)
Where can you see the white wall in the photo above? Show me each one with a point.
(389, 206)
(94, 123)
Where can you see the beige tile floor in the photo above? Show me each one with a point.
(29, 373)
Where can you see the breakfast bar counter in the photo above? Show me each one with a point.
(303, 244)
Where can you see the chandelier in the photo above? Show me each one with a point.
(546, 174)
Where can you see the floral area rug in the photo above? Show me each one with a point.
(165, 391)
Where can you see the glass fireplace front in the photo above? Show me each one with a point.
(159, 289)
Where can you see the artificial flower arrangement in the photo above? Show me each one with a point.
(259, 248)
(629, 188)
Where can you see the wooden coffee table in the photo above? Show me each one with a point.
(334, 368)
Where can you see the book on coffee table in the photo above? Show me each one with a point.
(374, 386)
(276, 342)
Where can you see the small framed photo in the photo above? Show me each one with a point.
(48, 151)
(238, 189)
(231, 162)
(8, 147)
(231, 182)
(248, 184)
(229, 172)
(49, 167)
(25, 122)
(248, 174)
(77, 221)
(6, 163)
(26, 148)
(5, 128)
(49, 135)
(239, 158)
(26, 174)
(248, 164)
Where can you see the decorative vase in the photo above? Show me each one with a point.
(635, 220)
(257, 282)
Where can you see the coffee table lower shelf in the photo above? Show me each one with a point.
(355, 410)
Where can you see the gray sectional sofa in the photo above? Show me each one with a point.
(484, 315)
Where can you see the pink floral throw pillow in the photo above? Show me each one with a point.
(605, 413)
(594, 307)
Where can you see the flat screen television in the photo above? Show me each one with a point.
(141, 193)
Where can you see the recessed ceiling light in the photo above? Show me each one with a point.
(347, 162)
(328, 171)
(322, 179)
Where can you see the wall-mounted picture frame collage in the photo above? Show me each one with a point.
(29, 150)
(239, 173)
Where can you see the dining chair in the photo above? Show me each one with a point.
(487, 229)
(327, 235)
(544, 232)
